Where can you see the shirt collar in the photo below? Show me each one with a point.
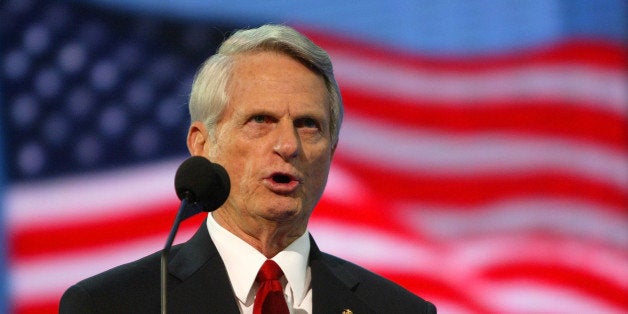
(293, 262)
(243, 261)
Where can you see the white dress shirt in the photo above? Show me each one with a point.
(243, 262)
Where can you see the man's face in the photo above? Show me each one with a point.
(274, 139)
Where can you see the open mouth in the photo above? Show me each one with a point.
(282, 183)
(282, 178)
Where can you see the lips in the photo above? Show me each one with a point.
(282, 183)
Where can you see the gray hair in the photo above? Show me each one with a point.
(209, 90)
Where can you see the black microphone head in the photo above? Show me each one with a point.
(202, 182)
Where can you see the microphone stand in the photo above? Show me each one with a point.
(186, 210)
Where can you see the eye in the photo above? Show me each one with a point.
(260, 118)
(306, 123)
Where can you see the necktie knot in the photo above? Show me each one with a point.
(269, 298)
(269, 271)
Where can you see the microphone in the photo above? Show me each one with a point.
(201, 186)
(204, 184)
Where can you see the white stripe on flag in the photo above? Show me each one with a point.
(93, 196)
(576, 219)
(603, 88)
(414, 150)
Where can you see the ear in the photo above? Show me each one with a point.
(198, 139)
(333, 149)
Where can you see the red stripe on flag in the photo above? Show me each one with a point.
(430, 288)
(543, 117)
(367, 213)
(480, 188)
(593, 52)
(37, 306)
(78, 235)
(562, 276)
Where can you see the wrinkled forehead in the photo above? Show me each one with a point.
(261, 64)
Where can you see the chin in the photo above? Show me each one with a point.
(285, 208)
(284, 213)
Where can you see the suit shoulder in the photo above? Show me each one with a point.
(115, 289)
(382, 294)
(76, 300)
(139, 272)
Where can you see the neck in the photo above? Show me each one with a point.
(266, 236)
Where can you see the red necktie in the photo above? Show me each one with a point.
(269, 298)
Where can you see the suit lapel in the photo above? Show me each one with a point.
(332, 286)
(198, 281)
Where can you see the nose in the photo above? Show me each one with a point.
(287, 143)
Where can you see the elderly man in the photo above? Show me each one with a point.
(268, 109)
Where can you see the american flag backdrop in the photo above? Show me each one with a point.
(482, 164)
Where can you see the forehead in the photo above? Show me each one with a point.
(269, 75)
(262, 63)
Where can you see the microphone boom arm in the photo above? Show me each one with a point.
(186, 210)
(201, 186)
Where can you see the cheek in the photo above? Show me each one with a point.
(243, 171)
(319, 170)
(227, 153)
(322, 159)
(245, 178)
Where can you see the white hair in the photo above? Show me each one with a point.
(209, 97)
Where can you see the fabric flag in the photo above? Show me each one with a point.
(491, 183)
(3, 242)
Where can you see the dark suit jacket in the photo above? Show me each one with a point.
(198, 283)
